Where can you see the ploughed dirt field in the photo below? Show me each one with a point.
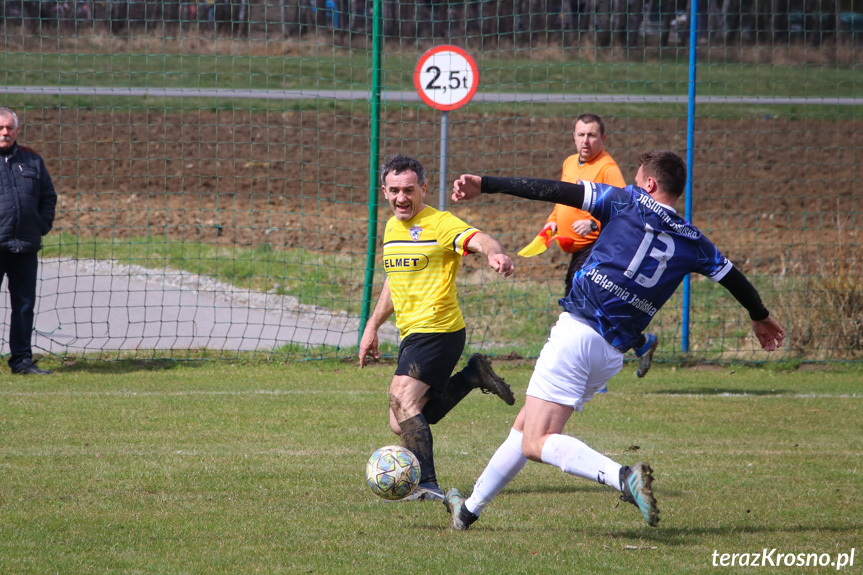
(775, 194)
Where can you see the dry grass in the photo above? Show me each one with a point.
(824, 310)
(829, 53)
(103, 42)
(555, 47)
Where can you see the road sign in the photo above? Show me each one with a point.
(446, 78)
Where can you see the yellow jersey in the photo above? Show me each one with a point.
(421, 258)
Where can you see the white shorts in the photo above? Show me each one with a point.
(574, 364)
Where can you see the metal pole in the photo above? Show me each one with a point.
(444, 132)
(374, 166)
(690, 146)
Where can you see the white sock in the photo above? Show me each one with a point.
(502, 468)
(576, 458)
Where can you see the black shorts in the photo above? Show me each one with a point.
(577, 262)
(431, 357)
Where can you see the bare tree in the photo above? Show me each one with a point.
(601, 17)
(667, 14)
(627, 18)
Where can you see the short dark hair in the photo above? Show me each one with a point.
(591, 119)
(667, 168)
(400, 163)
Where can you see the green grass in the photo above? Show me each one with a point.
(255, 467)
(187, 71)
(346, 70)
(499, 72)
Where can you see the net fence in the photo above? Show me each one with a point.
(213, 162)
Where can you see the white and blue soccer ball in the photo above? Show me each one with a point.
(393, 472)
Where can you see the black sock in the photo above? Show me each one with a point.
(417, 436)
(441, 402)
(466, 516)
(639, 343)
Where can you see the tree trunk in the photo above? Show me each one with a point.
(634, 21)
(601, 22)
(779, 22)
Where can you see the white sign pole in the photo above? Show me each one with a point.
(446, 78)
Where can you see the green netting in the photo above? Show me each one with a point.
(213, 162)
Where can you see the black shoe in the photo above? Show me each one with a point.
(29, 368)
(479, 367)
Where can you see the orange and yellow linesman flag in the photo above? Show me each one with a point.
(541, 242)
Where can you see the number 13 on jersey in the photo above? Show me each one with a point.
(446, 78)
(661, 256)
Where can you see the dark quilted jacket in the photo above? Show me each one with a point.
(27, 201)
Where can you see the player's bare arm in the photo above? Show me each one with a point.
(383, 309)
(488, 246)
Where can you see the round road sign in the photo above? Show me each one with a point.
(446, 78)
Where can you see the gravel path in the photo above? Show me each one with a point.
(92, 305)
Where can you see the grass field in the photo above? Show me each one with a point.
(343, 70)
(509, 71)
(255, 467)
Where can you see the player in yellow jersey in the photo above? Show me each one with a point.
(422, 251)
(577, 228)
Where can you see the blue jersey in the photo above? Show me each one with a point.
(641, 256)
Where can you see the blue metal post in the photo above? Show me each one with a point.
(690, 145)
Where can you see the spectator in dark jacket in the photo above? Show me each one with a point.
(27, 201)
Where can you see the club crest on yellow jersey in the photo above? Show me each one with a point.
(416, 233)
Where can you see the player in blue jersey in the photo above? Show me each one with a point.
(639, 259)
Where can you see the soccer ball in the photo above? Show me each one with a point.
(393, 472)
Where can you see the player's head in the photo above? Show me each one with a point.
(8, 128)
(589, 136)
(401, 163)
(665, 168)
(403, 180)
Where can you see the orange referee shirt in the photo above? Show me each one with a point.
(602, 170)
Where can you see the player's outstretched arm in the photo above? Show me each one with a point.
(488, 246)
(769, 333)
(469, 186)
(383, 309)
